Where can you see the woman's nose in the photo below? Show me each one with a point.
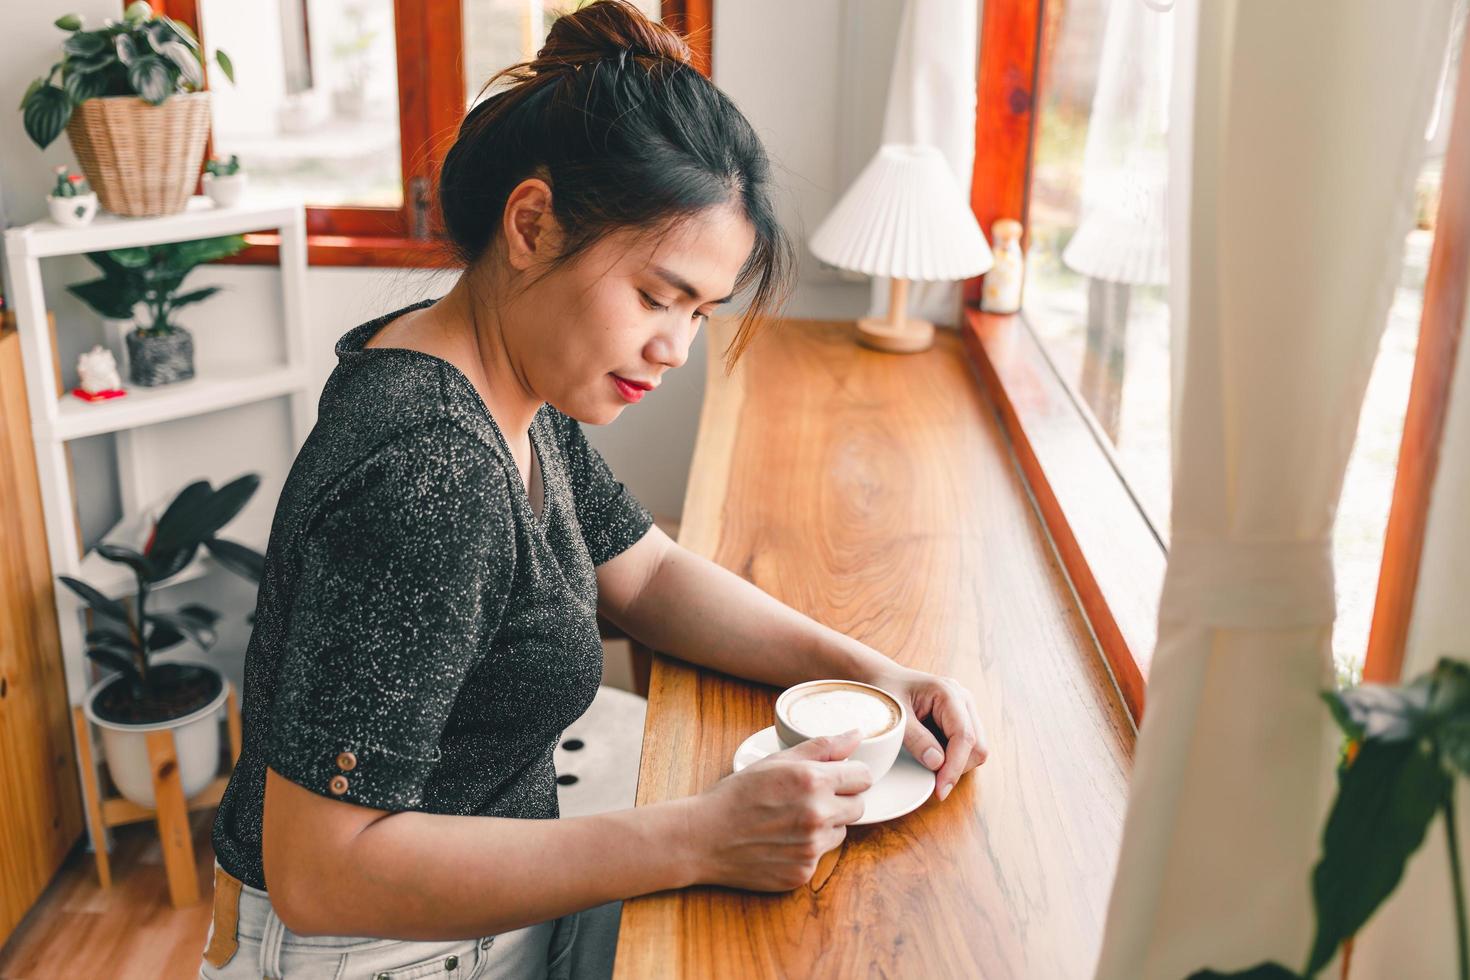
(671, 348)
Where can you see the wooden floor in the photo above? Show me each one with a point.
(129, 932)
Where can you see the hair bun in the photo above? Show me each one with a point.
(606, 30)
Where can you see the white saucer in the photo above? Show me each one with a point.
(903, 789)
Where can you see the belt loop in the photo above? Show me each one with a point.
(270, 945)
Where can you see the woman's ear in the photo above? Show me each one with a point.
(532, 233)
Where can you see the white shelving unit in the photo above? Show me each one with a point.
(55, 421)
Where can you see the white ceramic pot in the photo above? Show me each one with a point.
(73, 211)
(196, 741)
(225, 191)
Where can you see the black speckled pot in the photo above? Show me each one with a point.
(161, 360)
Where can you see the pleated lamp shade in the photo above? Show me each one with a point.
(1123, 236)
(906, 218)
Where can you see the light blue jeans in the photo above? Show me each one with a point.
(579, 945)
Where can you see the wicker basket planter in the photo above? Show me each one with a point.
(142, 160)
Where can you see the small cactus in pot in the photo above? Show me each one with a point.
(72, 202)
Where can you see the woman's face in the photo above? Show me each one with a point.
(627, 308)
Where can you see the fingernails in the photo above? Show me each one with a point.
(933, 757)
(944, 790)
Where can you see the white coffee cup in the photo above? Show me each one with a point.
(833, 706)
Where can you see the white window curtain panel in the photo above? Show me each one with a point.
(931, 99)
(1297, 131)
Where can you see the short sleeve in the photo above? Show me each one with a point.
(612, 519)
(402, 574)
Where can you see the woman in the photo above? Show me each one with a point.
(426, 624)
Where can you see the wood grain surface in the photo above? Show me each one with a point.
(876, 493)
(40, 795)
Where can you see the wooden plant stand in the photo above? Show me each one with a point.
(172, 812)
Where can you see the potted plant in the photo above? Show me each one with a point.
(142, 696)
(159, 351)
(72, 202)
(224, 181)
(120, 90)
(1405, 746)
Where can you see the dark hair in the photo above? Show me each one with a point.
(613, 115)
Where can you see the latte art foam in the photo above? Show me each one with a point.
(839, 708)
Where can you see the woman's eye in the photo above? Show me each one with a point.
(658, 306)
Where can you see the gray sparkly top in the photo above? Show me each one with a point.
(422, 635)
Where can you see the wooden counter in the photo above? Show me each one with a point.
(876, 493)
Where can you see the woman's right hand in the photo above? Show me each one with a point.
(764, 828)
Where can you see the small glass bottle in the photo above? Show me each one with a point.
(1001, 292)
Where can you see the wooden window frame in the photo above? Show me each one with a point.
(431, 103)
(1111, 553)
(1107, 546)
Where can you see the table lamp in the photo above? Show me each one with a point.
(904, 217)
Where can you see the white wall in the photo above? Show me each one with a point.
(811, 77)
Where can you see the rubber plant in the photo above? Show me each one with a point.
(147, 54)
(130, 632)
(1405, 746)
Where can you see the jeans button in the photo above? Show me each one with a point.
(450, 962)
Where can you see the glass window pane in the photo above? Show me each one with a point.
(1362, 514)
(314, 107)
(499, 33)
(1096, 290)
(1097, 266)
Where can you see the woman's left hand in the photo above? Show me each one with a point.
(951, 707)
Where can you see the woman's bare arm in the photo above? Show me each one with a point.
(680, 603)
(336, 868)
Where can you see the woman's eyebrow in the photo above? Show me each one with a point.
(680, 283)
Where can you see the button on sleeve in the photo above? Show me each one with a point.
(401, 578)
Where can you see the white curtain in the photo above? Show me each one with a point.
(931, 99)
(1295, 143)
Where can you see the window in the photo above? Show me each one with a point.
(1074, 105)
(353, 103)
(1097, 268)
(317, 113)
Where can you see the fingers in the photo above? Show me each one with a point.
(922, 744)
(954, 715)
(826, 747)
(982, 744)
(850, 776)
(850, 809)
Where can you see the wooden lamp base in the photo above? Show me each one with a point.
(898, 333)
(914, 336)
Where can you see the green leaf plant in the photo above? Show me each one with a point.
(127, 633)
(1405, 745)
(151, 274)
(146, 54)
